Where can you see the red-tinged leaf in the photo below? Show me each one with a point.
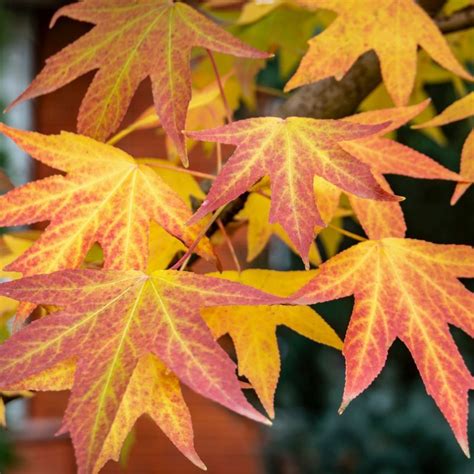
(130, 42)
(110, 319)
(106, 197)
(405, 289)
(379, 219)
(467, 169)
(386, 156)
(392, 28)
(292, 152)
(459, 110)
(152, 390)
(253, 330)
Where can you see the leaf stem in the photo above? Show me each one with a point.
(347, 233)
(120, 135)
(219, 157)
(154, 164)
(230, 245)
(183, 261)
(221, 88)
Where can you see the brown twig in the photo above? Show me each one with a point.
(458, 21)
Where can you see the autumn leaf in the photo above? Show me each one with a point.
(253, 11)
(256, 212)
(163, 247)
(110, 320)
(406, 289)
(205, 110)
(253, 330)
(392, 28)
(279, 26)
(387, 156)
(162, 400)
(428, 73)
(467, 169)
(291, 152)
(106, 197)
(11, 247)
(459, 110)
(130, 42)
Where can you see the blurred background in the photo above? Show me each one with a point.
(394, 427)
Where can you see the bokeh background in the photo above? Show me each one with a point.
(392, 428)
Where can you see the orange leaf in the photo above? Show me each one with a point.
(407, 289)
(130, 42)
(392, 28)
(458, 110)
(386, 156)
(110, 320)
(292, 152)
(152, 389)
(106, 197)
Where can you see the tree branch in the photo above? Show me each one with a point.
(458, 21)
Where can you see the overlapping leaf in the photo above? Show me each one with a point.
(386, 156)
(11, 247)
(429, 73)
(279, 26)
(467, 169)
(253, 330)
(110, 320)
(206, 110)
(152, 390)
(392, 28)
(130, 42)
(106, 197)
(405, 289)
(256, 212)
(459, 110)
(291, 152)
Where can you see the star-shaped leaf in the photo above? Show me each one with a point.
(292, 152)
(130, 42)
(110, 319)
(152, 390)
(253, 330)
(106, 197)
(392, 28)
(406, 289)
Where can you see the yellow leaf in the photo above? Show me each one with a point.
(253, 330)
